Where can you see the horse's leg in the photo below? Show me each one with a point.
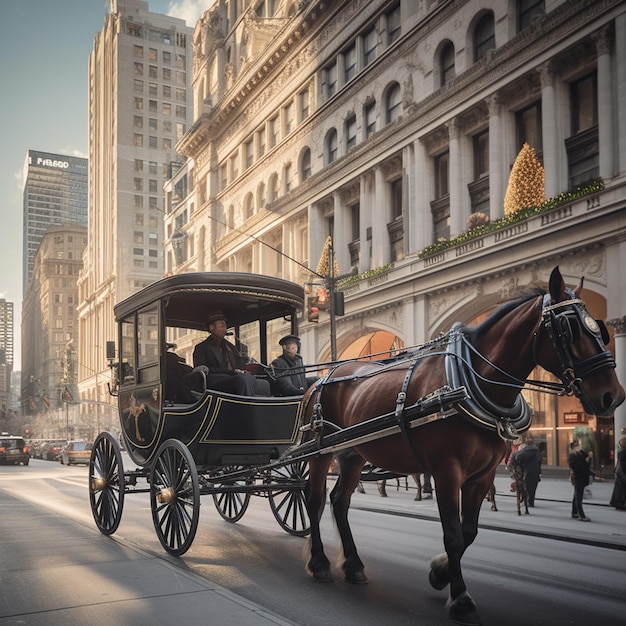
(318, 565)
(492, 496)
(446, 568)
(350, 466)
(418, 486)
(382, 491)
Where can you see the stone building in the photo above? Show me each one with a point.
(387, 124)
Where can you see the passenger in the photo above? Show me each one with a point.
(291, 378)
(224, 365)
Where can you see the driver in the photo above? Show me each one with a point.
(224, 365)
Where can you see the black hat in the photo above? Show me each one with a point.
(289, 339)
(215, 316)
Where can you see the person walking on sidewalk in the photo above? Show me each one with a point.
(618, 497)
(528, 459)
(579, 462)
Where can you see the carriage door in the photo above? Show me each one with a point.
(140, 385)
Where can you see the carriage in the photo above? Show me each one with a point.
(446, 407)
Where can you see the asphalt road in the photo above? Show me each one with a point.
(515, 579)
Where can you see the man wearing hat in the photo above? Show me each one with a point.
(225, 366)
(291, 379)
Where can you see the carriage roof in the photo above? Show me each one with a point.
(242, 297)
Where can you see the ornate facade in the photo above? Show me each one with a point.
(387, 124)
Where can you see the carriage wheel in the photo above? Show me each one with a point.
(289, 505)
(106, 483)
(174, 496)
(231, 505)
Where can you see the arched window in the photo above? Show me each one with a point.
(484, 36)
(261, 197)
(248, 206)
(273, 188)
(331, 146)
(446, 63)
(305, 164)
(394, 103)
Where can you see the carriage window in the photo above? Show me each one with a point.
(127, 351)
(148, 342)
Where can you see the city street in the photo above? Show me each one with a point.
(514, 577)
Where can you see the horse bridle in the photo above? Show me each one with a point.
(565, 322)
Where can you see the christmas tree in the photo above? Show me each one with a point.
(526, 186)
(323, 266)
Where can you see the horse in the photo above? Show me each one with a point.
(461, 445)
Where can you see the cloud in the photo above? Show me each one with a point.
(189, 10)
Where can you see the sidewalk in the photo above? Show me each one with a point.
(57, 570)
(551, 516)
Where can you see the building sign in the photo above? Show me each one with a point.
(575, 418)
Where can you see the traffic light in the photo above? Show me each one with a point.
(313, 310)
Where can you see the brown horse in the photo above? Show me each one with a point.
(461, 447)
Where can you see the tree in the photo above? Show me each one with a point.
(526, 186)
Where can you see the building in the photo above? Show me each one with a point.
(6, 356)
(50, 328)
(55, 192)
(392, 126)
(139, 107)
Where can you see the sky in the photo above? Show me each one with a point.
(44, 56)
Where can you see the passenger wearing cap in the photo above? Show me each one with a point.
(223, 362)
(290, 376)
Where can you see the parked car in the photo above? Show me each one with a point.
(13, 449)
(76, 452)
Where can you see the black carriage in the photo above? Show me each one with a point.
(188, 440)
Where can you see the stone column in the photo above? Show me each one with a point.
(606, 119)
(365, 221)
(619, 326)
(340, 237)
(620, 82)
(457, 216)
(317, 235)
(497, 158)
(380, 236)
(420, 215)
(549, 129)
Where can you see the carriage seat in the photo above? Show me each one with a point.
(183, 383)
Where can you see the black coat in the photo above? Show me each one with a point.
(291, 379)
(618, 497)
(529, 459)
(578, 462)
(216, 356)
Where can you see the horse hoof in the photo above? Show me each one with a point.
(462, 610)
(357, 578)
(323, 577)
(435, 582)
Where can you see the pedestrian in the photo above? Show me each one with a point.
(223, 364)
(528, 459)
(618, 497)
(579, 462)
(290, 375)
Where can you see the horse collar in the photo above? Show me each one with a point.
(509, 422)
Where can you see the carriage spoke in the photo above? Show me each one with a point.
(288, 505)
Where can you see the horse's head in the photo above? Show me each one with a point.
(571, 344)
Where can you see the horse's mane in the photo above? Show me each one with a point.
(505, 309)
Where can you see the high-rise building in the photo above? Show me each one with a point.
(139, 107)
(6, 353)
(55, 191)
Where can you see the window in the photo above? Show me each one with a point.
(481, 154)
(394, 24)
(152, 54)
(484, 36)
(138, 183)
(138, 85)
(447, 70)
(349, 60)
(138, 219)
(303, 102)
(167, 108)
(331, 146)
(441, 175)
(287, 177)
(370, 119)
(394, 103)
(248, 207)
(138, 237)
(153, 90)
(167, 126)
(138, 121)
(273, 131)
(181, 94)
(138, 52)
(138, 202)
(248, 153)
(138, 104)
(223, 176)
(138, 165)
(138, 140)
(350, 132)
(305, 164)
(152, 124)
(527, 11)
(167, 74)
(138, 69)
(153, 106)
(152, 186)
(167, 58)
(584, 108)
(289, 118)
(528, 125)
(181, 111)
(167, 92)
(152, 71)
(370, 43)
(273, 187)
(167, 144)
(330, 79)
(152, 143)
(395, 188)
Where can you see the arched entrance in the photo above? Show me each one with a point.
(377, 344)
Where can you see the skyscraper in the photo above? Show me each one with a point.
(6, 353)
(55, 192)
(140, 105)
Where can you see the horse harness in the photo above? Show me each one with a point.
(564, 322)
